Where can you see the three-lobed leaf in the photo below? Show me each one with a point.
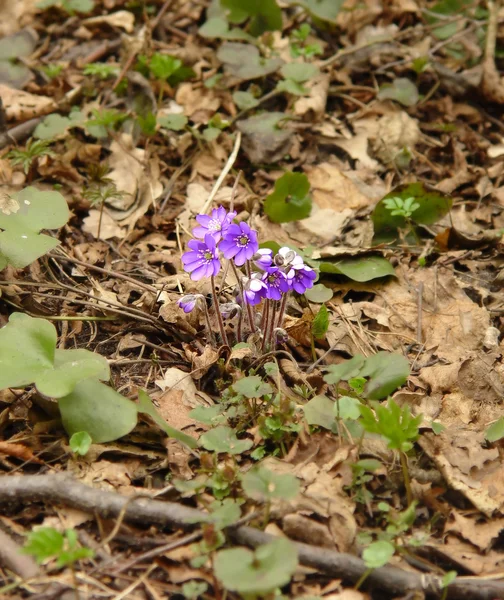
(260, 572)
(262, 484)
(223, 439)
(20, 241)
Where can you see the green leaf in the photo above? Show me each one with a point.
(27, 348)
(319, 294)
(209, 415)
(401, 90)
(99, 410)
(244, 62)
(393, 423)
(12, 48)
(265, 15)
(28, 355)
(211, 133)
(448, 578)
(145, 406)
(320, 411)
(320, 323)
(175, 122)
(261, 572)
(495, 431)
(219, 28)
(378, 554)
(291, 87)
(244, 100)
(434, 206)
(163, 66)
(44, 543)
(299, 72)
(223, 439)
(437, 428)
(20, 242)
(386, 372)
(347, 408)
(80, 443)
(55, 125)
(70, 367)
(290, 200)
(262, 484)
(252, 387)
(326, 10)
(194, 589)
(345, 370)
(359, 268)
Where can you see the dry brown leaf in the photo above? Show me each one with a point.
(19, 451)
(120, 18)
(316, 100)
(22, 106)
(479, 534)
(199, 103)
(331, 188)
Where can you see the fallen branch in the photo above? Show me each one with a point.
(61, 489)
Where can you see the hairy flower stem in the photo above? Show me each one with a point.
(281, 312)
(239, 328)
(253, 327)
(406, 477)
(207, 319)
(266, 323)
(217, 312)
(271, 325)
(250, 312)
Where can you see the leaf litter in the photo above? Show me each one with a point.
(373, 150)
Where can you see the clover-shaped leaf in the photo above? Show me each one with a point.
(223, 439)
(260, 572)
(378, 554)
(244, 62)
(13, 47)
(55, 125)
(401, 90)
(260, 483)
(290, 200)
(28, 355)
(252, 387)
(326, 10)
(299, 72)
(20, 242)
(359, 268)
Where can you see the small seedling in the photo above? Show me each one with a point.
(34, 150)
(101, 190)
(80, 443)
(398, 427)
(256, 573)
(401, 207)
(46, 544)
(104, 121)
(100, 70)
(52, 71)
(298, 45)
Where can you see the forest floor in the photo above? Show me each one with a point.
(144, 113)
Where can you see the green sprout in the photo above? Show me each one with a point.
(298, 45)
(100, 70)
(34, 150)
(400, 207)
(52, 71)
(47, 544)
(398, 427)
(101, 190)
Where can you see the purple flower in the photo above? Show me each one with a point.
(187, 303)
(240, 243)
(276, 283)
(254, 289)
(263, 258)
(216, 224)
(301, 279)
(202, 261)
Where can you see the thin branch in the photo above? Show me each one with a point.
(61, 489)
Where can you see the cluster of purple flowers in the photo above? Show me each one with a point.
(269, 277)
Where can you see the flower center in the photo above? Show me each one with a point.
(214, 225)
(207, 255)
(243, 240)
